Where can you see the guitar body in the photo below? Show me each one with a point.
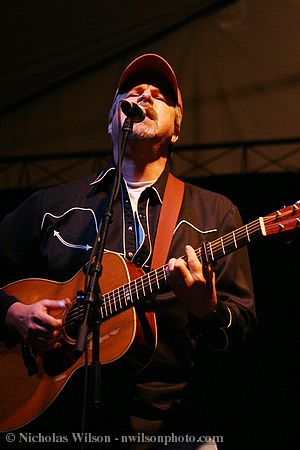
(127, 341)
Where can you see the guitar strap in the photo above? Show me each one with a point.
(167, 220)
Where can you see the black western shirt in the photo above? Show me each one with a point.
(52, 233)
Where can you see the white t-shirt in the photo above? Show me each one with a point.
(135, 188)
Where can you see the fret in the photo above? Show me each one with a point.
(165, 275)
(143, 287)
(157, 281)
(129, 293)
(199, 254)
(114, 298)
(113, 301)
(118, 296)
(235, 244)
(140, 290)
(101, 308)
(211, 252)
(125, 294)
(120, 301)
(110, 308)
(248, 237)
(136, 289)
(205, 254)
(105, 308)
(223, 248)
(150, 286)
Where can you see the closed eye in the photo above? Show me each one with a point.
(160, 97)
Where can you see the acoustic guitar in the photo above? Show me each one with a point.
(128, 329)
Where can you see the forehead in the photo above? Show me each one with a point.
(149, 78)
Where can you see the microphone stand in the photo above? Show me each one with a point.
(91, 297)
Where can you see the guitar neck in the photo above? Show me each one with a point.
(209, 252)
(135, 291)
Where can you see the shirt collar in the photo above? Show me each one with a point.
(159, 186)
(157, 189)
(110, 169)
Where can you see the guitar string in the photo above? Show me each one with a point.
(155, 276)
(118, 298)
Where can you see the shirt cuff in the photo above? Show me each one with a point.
(9, 337)
(212, 329)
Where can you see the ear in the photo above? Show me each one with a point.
(109, 126)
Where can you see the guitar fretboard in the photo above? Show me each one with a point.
(135, 291)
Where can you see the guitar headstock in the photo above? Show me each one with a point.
(285, 219)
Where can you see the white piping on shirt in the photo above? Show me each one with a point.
(68, 244)
(193, 226)
(148, 232)
(69, 210)
(101, 176)
(157, 194)
(142, 229)
(123, 224)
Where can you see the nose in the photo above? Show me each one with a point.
(146, 95)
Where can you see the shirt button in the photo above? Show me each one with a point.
(130, 228)
(130, 254)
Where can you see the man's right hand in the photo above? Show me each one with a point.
(34, 323)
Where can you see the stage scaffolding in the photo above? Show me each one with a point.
(190, 161)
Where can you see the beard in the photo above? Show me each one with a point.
(144, 132)
(148, 129)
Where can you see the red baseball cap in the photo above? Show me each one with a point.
(147, 68)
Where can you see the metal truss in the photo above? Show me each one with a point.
(35, 171)
(238, 157)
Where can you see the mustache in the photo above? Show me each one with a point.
(150, 111)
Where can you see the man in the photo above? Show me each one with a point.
(207, 309)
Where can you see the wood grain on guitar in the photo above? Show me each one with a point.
(128, 339)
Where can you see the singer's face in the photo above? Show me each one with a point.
(159, 124)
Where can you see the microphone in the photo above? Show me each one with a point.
(133, 111)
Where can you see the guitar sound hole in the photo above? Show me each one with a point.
(72, 322)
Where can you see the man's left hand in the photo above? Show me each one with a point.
(193, 284)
